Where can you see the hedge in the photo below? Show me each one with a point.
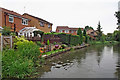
(67, 38)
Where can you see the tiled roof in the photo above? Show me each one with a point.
(37, 18)
(62, 27)
(66, 27)
(11, 12)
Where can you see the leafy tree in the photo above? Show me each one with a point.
(88, 28)
(117, 14)
(85, 35)
(103, 38)
(39, 32)
(99, 31)
(116, 35)
(6, 31)
(79, 32)
(109, 37)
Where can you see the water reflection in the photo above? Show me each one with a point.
(116, 49)
(92, 62)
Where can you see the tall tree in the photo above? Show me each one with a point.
(79, 32)
(117, 14)
(85, 35)
(99, 31)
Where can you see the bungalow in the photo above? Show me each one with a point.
(13, 20)
(39, 23)
(67, 30)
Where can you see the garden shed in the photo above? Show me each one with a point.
(28, 31)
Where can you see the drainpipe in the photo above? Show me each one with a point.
(5, 18)
(14, 27)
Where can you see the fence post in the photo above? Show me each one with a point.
(10, 41)
(1, 43)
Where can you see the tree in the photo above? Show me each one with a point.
(79, 32)
(85, 35)
(117, 15)
(6, 31)
(99, 33)
(88, 28)
(116, 35)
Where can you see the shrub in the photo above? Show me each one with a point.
(63, 46)
(6, 31)
(22, 61)
(67, 39)
(48, 42)
(39, 44)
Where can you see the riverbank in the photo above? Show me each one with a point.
(76, 63)
(61, 51)
(103, 43)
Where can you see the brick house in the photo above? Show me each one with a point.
(13, 20)
(92, 33)
(67, 30)
(39, 23)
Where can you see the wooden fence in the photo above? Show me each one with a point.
(51, 38)
(5, 41)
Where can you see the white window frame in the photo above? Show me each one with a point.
(66, 31)
(60, 31)
(42, 24)
(72, 31)
(24, 21)
(11, 16)
(49, 25)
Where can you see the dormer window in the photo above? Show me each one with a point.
(24, 21)
(42, 24)
(48, 25)
(11, 18)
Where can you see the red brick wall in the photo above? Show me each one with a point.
(36, 23)
(0, 17)
(17, 21)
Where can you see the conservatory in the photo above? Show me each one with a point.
(28, 31)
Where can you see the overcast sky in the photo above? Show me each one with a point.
(72, 13)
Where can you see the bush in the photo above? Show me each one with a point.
(39, 44)
(20, 62)
(48, 42)
(6, 31)
(67, 39)
(63, 46)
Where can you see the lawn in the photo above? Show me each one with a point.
(53, 52)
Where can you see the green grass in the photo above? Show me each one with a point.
(102, 43)
(0, 63)
(53, 52)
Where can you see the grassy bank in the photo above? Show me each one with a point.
(53, 52)
(103, 43)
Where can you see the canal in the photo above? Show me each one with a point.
(91, 62)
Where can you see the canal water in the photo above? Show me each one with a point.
(91, 62)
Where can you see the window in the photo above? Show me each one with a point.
(66, 31)
(60, 31)
(11, 18)
(24, 21)
(48, 25)
(42, 24)
(72, 31)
